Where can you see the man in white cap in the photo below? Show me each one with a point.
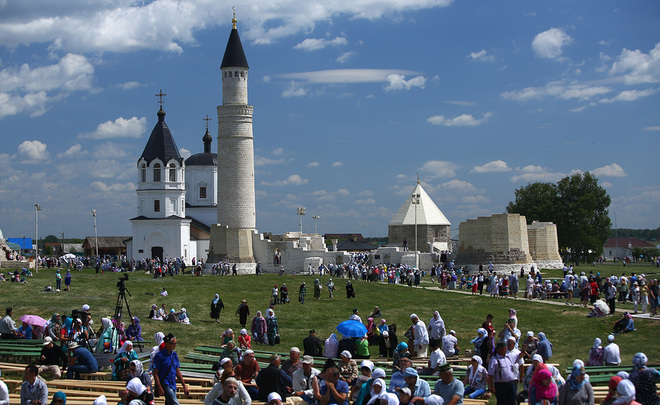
(305, 381)
(293, 364)
(248, 370)
(611, 353)
(450, 344)
(421, 336)
(51, 358)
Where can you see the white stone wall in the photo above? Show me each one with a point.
(172, 235)
(234, 88)
(197, 176)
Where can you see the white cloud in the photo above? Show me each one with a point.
(463, 120)
(313, 164)
(314, 44)
(368, 201)
(293, 180)
(401, 176)
(26, 89)
(481, 56)
(613, 170)
(129, 85)
(460, 186)
(32, 151)
(532, 173)
(475, 199)
(651, 128)
(548, 44)
(344, 76)
(337, 164)
(168, 25)
(260, 161)
(439, 168)
(278, 151)
(343, 191)
(345, 56)
(71, 152)
(398, 82)
(133, 127)
(107, 149)
(115, 188)
(557, 90)
(185, 153)
(637, 66)
(294, 90)
(606, 184)
(266, 78)
(496, 166)
(629, 95)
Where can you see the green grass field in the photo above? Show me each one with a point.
(566, 326)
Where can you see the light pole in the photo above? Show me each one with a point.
(301, 212)
(37, 208)
(96, 236)
(616, 235)
(415, 201)
(61, 241)
(23, 247)
(316, 222)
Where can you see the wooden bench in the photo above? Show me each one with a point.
(555, 295)
(99, 375)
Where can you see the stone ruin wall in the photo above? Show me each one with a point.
(500, 238)
(543, 241)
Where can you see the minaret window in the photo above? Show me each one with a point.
(230, 74)
(143, 173)
(156, 205)
(172, 172)
(157, 172)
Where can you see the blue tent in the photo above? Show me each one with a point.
(25, 244)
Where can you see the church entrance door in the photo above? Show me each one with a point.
(157, 252)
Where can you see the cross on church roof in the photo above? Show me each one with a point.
(207, 119)
(160, 96)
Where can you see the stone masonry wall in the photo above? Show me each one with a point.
(500, 238)
(426, 234)
(543, 241)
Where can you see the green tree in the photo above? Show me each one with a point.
(50, 239)
(577, 205)
(536, 201)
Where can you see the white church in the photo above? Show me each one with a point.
(203, 207)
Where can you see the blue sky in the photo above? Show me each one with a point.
(351, 100)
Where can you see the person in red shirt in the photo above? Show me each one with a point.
(247, 371)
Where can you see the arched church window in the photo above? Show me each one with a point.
(229, 74)
(143, 173)
(202, 192)
(156, 205)
(172, 172)
(157, 172)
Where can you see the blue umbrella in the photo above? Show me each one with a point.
(352, 328)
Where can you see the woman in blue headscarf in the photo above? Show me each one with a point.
(59, 398)
(576, 391)
(134, 330)
(644, 379)
(216, 307)
(544, 347)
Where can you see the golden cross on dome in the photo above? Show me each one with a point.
(233, 20)
(207, 119)
(160, 96)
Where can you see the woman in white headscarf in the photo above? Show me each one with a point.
(121, 364)
(379, 394)
(626, 391)
(105, 343)
(272, 327)
(476, 383)
(596, 354)
(183, 317)
(137, 393)
(137, 371)
(437, 328)
(159, 338)
(331, 347)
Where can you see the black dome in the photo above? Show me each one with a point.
(203, 159)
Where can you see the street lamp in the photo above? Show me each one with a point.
(301, 212)
(316, 222)
(37, 208)
(61, 241)
(96, 236)
(616, 235)
(415, 200)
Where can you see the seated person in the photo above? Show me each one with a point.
(625, 324)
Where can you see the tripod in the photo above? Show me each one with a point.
(121, 300)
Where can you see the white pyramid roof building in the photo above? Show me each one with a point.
(427, 212)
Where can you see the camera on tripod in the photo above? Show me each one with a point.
(121, 284)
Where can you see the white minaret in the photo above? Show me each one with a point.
(231, 237)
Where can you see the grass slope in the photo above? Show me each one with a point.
(566, 327)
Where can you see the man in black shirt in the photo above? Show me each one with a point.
(312, 345)
(52, 357)
(272, 379)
